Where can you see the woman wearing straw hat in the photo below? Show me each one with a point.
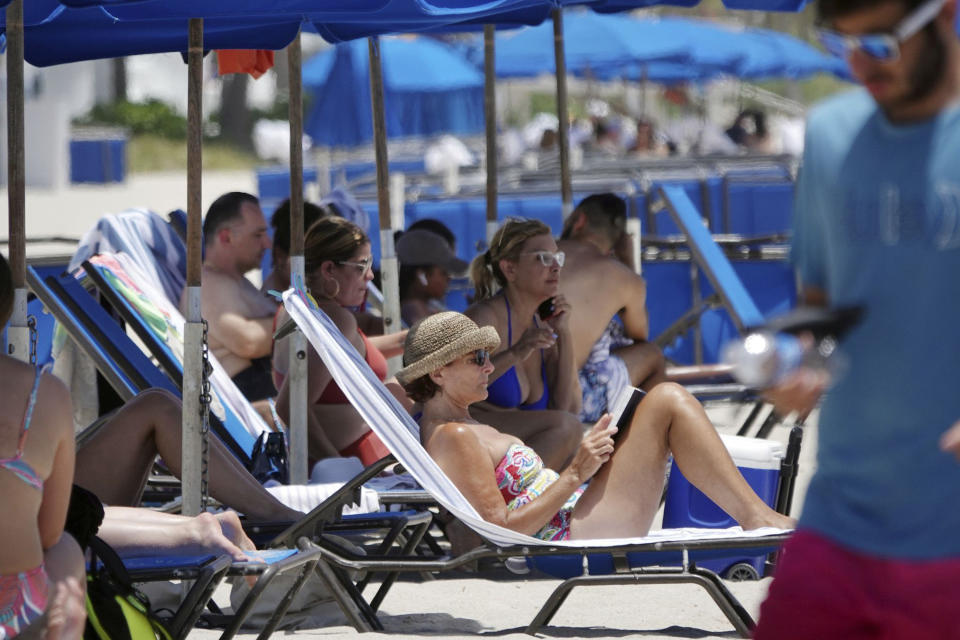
(447, 368)
(534, 393)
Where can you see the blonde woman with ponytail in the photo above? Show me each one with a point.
(338, 264)
(533, 390)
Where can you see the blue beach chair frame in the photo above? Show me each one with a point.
(132, 371)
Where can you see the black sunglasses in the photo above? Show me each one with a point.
(480, 357)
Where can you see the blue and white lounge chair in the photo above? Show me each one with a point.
(130, 371)
(626, 560)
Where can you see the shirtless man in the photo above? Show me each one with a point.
(608, 302)
(240, 316)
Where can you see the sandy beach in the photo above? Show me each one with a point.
(492, 603)
(70, 211)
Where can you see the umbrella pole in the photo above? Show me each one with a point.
(298, 342)
(192, 450)
(18, 335)
(563, 128)
(389, 271)
(490, 121)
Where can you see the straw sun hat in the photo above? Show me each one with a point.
(440, 339)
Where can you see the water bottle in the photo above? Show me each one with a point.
(763, 358)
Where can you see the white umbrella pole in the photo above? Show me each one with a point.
(389, 271)
(18, 335)
(192, 455)
(298, 342)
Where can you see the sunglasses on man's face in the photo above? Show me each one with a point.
(547, 258)
(883, 47)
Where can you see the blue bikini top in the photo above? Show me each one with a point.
(505, 390)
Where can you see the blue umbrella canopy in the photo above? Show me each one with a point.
(336, 20)
(615, 6)
(675, 50)
(55, 34)
(428, 89)
(591, 42)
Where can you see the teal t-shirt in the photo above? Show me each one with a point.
(877, 223)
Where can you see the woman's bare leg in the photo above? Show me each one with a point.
(66, 611)
(625, 494)
(132, 531)
(554, 435)
(150, 425)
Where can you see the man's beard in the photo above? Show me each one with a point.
(929, 69)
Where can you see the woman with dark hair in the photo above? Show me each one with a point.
(41, 566)
(279, 277)
(338, 265)
(426, 264)
(610, 489)
(534, 392)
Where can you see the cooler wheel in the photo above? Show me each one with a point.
(740, 572)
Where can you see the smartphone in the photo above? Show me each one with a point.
(546, 308)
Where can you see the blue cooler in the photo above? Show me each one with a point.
(686, 506)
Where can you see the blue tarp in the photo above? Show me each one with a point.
(428, 89)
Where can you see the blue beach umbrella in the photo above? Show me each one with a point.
(591, 42)
(789, 58)
(703, 50)
(335, 20)
(428, 89)
(615, 6)
(72, 35)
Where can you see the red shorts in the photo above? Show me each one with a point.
(824, 591)
(367, 447)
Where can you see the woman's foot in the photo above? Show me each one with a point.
(207, 535)
(767, 517)
(233, 530)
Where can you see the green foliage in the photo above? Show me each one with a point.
(152, 117)
(147, 153)
(543, 103)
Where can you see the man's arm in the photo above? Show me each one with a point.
(635, 319)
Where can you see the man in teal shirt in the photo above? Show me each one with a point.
(877, 223)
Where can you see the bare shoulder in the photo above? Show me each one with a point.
(54, 408)
(483, 313)
(454, 438)
(623, 273)
(343, 318)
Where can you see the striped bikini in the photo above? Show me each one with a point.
(23, 595)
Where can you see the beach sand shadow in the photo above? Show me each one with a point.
(431, 624)
(607, 632)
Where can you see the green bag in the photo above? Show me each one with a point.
(116, 610)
